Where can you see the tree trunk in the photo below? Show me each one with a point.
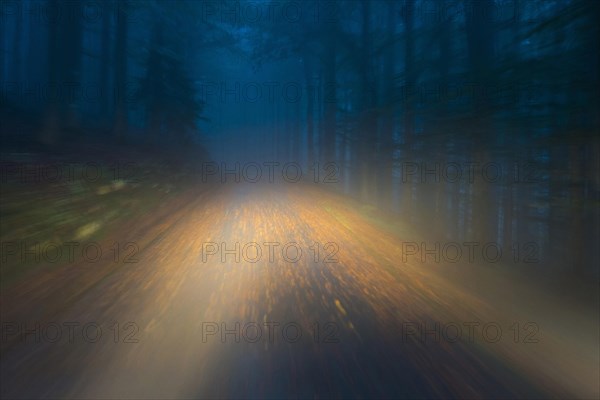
(120, 59)
(387, 145)
(310, 105)
(49, 133)
(16, 73)
(72, 43)
(409, 70)
(330, 96)
(367, 124)
(105, 61)
(480, 43)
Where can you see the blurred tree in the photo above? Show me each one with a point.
(120, 59)
(166, 91)
(65, 34)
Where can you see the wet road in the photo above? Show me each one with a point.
(320, 303)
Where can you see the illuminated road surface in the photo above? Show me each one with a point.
(359, 315)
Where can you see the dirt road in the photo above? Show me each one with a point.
(320, 303)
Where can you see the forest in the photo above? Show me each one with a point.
(454, 121)
(371, 86)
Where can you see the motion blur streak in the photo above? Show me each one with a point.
(368, 294)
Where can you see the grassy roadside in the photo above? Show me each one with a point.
(49, 203)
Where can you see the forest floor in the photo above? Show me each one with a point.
(162, 296)
(78, 196)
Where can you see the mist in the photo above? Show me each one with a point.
(299, 199)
